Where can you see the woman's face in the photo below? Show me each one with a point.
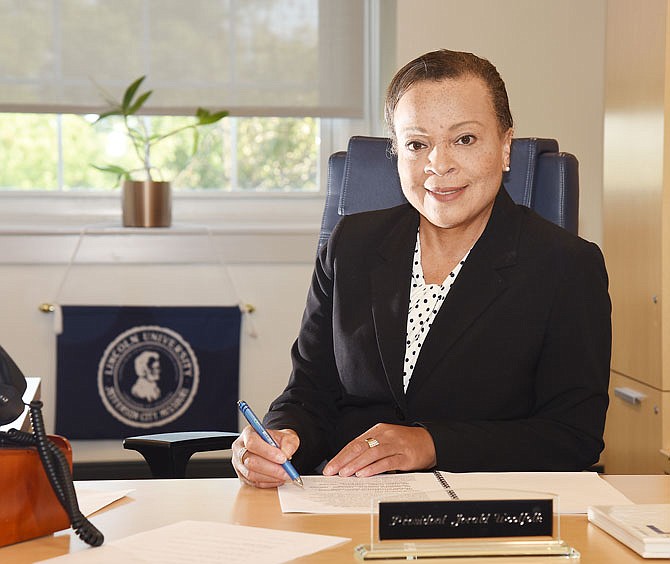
(451, 152)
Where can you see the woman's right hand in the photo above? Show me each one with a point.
(259, 464)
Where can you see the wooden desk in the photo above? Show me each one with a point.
(155, 503)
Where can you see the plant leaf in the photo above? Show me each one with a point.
(112, 168)
(118, 171)
(114, 112)
(205, 117)
(138, 104)
(130, 92)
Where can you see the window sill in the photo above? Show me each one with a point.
(59, 213)
(60, 228)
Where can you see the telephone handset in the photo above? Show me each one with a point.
(12, 387)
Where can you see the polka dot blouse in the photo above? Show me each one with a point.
(424, 303)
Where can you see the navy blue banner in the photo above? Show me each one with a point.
(126, 371)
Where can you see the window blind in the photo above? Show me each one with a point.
(250, 57)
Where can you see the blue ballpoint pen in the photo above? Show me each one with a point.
(262, 431)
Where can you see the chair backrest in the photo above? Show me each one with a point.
(365, 177)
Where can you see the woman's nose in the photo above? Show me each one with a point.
(439, 162)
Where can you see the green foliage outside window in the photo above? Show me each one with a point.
(245, 154)
(28, 152)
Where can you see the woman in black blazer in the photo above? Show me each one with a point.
(459, 331)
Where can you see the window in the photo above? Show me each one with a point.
(278, 67)
(298, 76)
(55, 152)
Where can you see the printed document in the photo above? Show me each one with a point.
(204, 542)
(333, 494)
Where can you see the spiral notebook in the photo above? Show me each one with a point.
(576, 491)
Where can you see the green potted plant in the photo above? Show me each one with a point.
(146, 195)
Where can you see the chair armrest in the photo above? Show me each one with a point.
(168, 453)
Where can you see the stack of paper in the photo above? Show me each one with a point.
(644, 528)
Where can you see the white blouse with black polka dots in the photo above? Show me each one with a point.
(424, 303)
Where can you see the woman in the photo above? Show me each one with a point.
(460, 331)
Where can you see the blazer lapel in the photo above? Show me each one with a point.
(477, 286)
(390, 282)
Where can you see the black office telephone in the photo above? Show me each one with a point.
(12, 387)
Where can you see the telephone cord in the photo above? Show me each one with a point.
(58, 472)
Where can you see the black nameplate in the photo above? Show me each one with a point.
(465, 519)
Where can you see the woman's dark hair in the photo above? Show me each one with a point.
(441, 64)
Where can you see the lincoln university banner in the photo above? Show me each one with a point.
(138, 370)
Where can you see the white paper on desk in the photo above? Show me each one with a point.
(205, 543)
(91, 500)
(332, 494)
(575, 490)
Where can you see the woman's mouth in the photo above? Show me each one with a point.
(444, 192)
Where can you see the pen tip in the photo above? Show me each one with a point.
(298, 482)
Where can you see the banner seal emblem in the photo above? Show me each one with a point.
(148, 376)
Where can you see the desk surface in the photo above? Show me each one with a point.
(155, 503)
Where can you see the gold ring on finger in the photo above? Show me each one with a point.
(372, 443)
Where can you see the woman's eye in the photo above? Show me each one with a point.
(414, 145)
(466, 140)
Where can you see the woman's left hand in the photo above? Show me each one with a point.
(384, 448)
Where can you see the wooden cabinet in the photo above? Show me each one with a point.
(636, 215)
(635, 428)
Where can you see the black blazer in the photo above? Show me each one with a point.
(513, 374)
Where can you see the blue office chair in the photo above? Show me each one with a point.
(364, 178)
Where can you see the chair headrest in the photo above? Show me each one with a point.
(370, 163)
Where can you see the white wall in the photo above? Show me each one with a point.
(265, 261)
(551, 56)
